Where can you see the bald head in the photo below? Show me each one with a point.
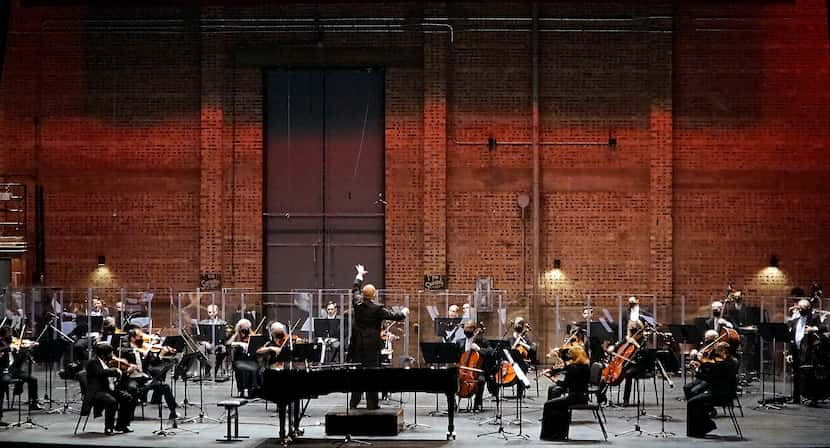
(710, 335)
(369, 292)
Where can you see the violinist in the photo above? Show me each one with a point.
(634, 335)
(245, 366)
(716, 380)
(564, 393)
(473, 341)
(696, 358)
(102, 394)
(803, 326)
(521, 343)
(146, 377)
(365, 342)
(272, 349)
(14, 359)
(81, 346)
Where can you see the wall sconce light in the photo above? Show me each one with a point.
(491, 143)
(557, 264)
(773, 261)
(102, 261)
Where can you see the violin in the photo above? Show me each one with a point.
(576, 341)
(276, 349)
(122, 364)
(22, 344)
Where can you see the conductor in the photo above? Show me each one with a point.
(366, 343)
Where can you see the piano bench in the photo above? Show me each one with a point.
(232, 409)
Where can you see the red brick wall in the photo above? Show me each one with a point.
(149, 145)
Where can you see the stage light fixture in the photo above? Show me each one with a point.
(557, 264)
(102, 261)
(773, 261)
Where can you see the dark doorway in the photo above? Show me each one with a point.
(324, 177)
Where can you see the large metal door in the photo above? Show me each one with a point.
(324, 177)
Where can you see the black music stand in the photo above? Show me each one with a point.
(685, 334)
(436, 353)
(306, 352)
(663, 357)
(213, 333)
(646, 357)
(97, 323)
(771, 332)
(50, 349)
(327, 328)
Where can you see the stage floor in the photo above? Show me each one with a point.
(792, 426)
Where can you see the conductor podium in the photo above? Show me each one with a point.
(361, 422)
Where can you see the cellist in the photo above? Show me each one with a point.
(472, 342)
(520, 343)
(634, 335)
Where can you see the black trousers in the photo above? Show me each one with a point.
(160, 390)
(698, 421)
(556, 415)
(120, 401)
(220, 354)
(797, 354)
(370, 359)
(30, 381)
(247, 375)
(694, 388)
(631, 373)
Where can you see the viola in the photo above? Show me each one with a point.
(468, 368)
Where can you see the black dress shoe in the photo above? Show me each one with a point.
(173, 415)
(3, 424)
(35, 406)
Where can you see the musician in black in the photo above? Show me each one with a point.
(101, 393)
(475, 343)
(571, 389)
(636, 369)
(717, 320)
(717, 381)
(245, 366)
(365, 342)
(148, 377)
(522, 348)
(218, 350)
(803, 326)
(15, 364)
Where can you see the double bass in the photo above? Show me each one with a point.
(612, 374)
(469, 366)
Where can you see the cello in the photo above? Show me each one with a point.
(612, 374)
(469, 366)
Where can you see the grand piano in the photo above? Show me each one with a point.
(286, 386)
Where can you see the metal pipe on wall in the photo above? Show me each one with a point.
(536, 214)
